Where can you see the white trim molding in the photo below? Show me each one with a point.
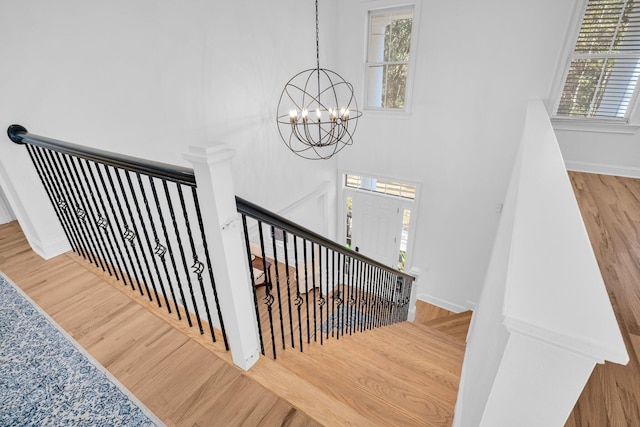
(603, 169)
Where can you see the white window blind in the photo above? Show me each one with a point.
(604, 67)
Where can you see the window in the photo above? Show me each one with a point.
(602, 72)
(406, 191)
(389, 58)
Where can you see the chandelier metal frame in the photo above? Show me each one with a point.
(317, 111)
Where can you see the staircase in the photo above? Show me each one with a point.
(403, 374)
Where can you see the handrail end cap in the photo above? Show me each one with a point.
(14, 132)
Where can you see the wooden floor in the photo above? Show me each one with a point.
(610, 207)
(178, 379)
(187, 380)
(189, 383)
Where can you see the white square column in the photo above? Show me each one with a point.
(223, 230)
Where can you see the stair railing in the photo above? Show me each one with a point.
(308, 288)
(137, 220)
(141, 222)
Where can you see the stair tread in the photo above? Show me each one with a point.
(456, 325)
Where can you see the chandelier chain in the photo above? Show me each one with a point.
(317, 38)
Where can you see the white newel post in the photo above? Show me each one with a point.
(223, 229)
(415, 272)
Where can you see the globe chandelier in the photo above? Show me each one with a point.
(317, 111)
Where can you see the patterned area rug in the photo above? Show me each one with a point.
(47, 379)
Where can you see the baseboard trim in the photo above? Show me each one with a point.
(49, 249)
(447, 305)
(603, 169)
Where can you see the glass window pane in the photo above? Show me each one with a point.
(394, 85)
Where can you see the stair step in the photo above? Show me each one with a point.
(402, 374)
(456, 325)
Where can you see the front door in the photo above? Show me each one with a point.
(377, 227)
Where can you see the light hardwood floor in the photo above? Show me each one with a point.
(181, 381)
(610, 207)
(401, 375)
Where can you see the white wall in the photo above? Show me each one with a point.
(6, 214)
(477, 64)
(149, 78)
(609, 153)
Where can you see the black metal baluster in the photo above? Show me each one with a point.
(158, 249)
(286, 263)
(359, 296)
(89, 208)
(329, 315)
(334, 298)
(306, 291)
(214, 288)
(352, 295)
(149, 250)
(54, 171)
(321, 300)
(315, 296)
(370, 297)
(253, 280)
(343, 296)
(388, 298)
(59, 208)
(80, 214)
(121, 231)
(161, 250)
(340, 296)
(131, 233)
(197, 266)
(275, 262)
(184, 260)
(102, 221)
(378, 299)
(269, 299)
(298, 301)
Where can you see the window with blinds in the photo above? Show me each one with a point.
(603, 69)
(390, 188)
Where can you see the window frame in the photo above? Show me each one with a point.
(377, 6)
(627, 125)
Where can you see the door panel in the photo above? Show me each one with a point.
(377, 227)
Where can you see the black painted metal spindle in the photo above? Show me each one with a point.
(131, 232)
(102, 220)
(352, 295)
(299, 301)
(53, 197)
(253, 280)
(152, 249)
(328, 276)
(205, 247)
(60, 183)
(285, 238)
(197, 267)
(89, 209)
(306, 290)
(269, 299)
(334, 298)
(315, 296)
(275, 262)
(169, 249)
(141, 245)
(79, 208)
(321, 299)
(75, 207)
(184, 260)
(126, 261)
